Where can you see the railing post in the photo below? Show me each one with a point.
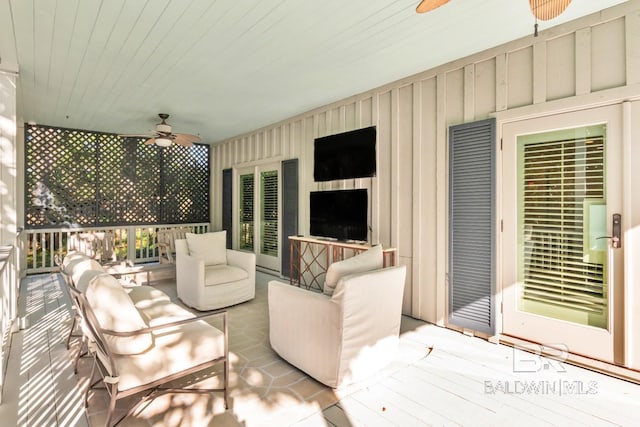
(131, 243)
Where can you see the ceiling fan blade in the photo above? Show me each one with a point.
(190, 137)
(181, 139)
(429, 5)
(548, 9)
(150, 141)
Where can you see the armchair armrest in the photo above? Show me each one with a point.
(189, 276)
(245, 261)
(175, 323)
(240, 259)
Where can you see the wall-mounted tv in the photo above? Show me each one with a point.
(339, 214)
(345, 155)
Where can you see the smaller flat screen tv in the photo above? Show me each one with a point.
(345, 155)
(339, 214)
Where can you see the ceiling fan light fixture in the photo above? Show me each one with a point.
(163, 142)
(163, 128)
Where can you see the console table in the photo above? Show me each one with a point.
(310, 257)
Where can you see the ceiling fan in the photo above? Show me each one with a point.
(164, 137)
(541, 9)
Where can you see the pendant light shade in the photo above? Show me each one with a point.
(163, 142)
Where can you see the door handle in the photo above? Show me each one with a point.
(616, 232)
(616, 240)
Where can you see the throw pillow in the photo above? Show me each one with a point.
(115, 311)
(371, 259)
(209, 247)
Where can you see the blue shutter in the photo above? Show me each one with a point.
(289, 210)
(227, 206)
(471, 225)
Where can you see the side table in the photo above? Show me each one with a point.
(138, 273)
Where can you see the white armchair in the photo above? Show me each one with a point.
(341, 338)
(204, 285)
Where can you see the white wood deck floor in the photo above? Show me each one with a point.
(463, 381)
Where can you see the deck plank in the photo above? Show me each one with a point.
(576, 403)
(440, 378)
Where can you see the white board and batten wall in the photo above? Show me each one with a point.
(591, 61)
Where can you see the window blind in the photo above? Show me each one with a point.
(561, 182)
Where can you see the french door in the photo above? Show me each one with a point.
(258, 214)
(562, 194)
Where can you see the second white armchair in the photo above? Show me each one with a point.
(341, 338)
(209, 276)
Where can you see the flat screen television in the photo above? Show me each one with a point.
(345, 155)
(339, 214)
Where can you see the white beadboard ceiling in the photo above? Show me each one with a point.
(226, 67)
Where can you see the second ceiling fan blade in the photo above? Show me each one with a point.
(548, 9)
(150, 141)
(429, 5)
(185, 139)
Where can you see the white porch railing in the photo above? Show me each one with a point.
(136, 243)
(8, 305)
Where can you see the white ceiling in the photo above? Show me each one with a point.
(226, 67)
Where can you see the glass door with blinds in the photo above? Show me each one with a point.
(258, 214)
(562, 187)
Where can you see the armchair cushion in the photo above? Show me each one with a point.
(218, 274)
(209, 247)
(371, 259)
(116, 312)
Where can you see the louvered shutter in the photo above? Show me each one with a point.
(227, 206)
(471, 226)
(289, 210)
(269, 213)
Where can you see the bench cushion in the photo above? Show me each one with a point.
(144, 296)
(81, 281)
(175, 349)
(219, 274)
(163, 312)
(115, 311)
(70, 258)
(78, 266)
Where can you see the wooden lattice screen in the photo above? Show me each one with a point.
(86, 178)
